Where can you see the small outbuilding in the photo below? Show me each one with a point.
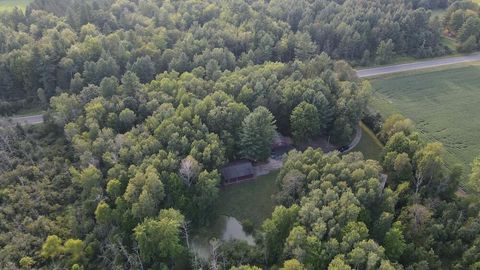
(237, 171)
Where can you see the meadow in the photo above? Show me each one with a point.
(250, 200)
(443, 102)
(6, 5)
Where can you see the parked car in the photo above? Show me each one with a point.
(343, 148)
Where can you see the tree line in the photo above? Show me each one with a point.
(60, 46)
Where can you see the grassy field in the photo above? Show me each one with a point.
(30, 111)
(250, 200)
(369, 145)
(443, 102)
(6, 5)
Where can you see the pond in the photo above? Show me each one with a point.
(225, 228)
(249, 201)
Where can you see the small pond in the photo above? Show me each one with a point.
(225, 228)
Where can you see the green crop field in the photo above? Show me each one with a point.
(443, 102)
(6, 5)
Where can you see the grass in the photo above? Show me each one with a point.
(451, 43)
(6, 5)
(251, 200)
(29, 111)
(442, 101)
(369, 145)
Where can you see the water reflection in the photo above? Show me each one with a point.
(233, 230)
(225, 228)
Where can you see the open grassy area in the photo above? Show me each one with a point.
(250, 200)
(443, 102)
(369, 145)
(29, 111)
(6, 5)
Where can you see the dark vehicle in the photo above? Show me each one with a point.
(343, 148)
(279, 152)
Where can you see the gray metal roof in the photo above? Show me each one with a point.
(237, 169)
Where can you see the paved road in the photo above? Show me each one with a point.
(27, 120)
(356, 140)
(276, 164)
(371, 72)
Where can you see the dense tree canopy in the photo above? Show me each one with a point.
(62, 46)
(147, 100)
(463, 22)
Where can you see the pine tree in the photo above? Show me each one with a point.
(257, 133)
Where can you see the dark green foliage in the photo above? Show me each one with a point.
(258, 129)
(305, 122)
(103, 38)
(463, 21)
(147, 100)
(235, 253)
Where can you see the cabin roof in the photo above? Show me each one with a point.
(237, 169)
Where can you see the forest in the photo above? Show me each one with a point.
(61, 46)
(146, 100)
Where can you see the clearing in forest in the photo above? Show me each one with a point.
(443, 102)
(6, 5)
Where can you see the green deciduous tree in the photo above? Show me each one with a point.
(394, 124)
(276, 230)
(145, 192)
(127, 118)
(64, 108)
(305, 122)
(385, 51)
(52, 247)
(394, 242)
(159, 239)
(292, 265)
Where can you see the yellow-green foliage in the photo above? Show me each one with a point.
(6, 5)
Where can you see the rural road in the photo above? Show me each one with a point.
(371, 72)
(355, 141)
(276, 164)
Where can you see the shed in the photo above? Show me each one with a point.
(237, 171)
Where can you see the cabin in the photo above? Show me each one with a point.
(237, 171)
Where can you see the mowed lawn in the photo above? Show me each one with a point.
(6, 5)
(369, 145)
(251, 200)
(443, 102)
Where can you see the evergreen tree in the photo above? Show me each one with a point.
(258, 130)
